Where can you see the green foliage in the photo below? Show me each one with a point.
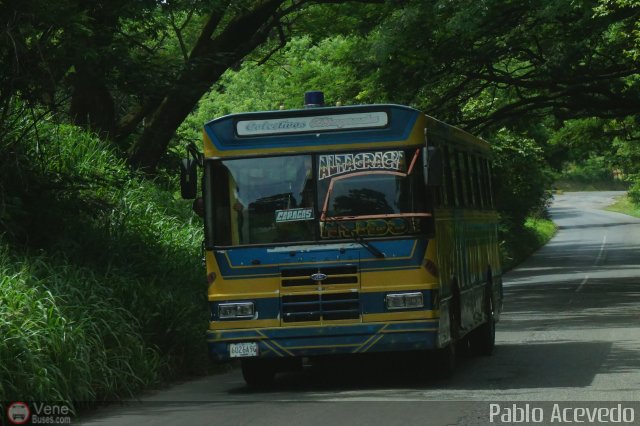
(301, 66)
(594, 173)
(627, 205)
(578, 140)
(101, 281)
(488, 64)
(626, 143)
(615, 7)
(518, 244)
(634, 192)
(65, 336)
(521, 177)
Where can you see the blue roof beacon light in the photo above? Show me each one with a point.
(313, 99)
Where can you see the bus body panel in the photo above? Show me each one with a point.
(457, 271)
(309, 341)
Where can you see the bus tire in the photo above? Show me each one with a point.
(258, 372)
(446, 361)
(445, 358)
(484, 337)
(455, 311)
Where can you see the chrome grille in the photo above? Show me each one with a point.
(335, 297)
(319, 307)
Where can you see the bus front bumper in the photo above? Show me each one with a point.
(309, 341)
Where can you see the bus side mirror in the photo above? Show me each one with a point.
(189, 178)
(432, 161)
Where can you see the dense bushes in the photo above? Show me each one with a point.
(101, 284)
(634, 192)
(521, 178)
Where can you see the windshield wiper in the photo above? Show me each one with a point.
(357, 238)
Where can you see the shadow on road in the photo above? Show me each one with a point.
(567, 260)
(521, 366)
(598, 303)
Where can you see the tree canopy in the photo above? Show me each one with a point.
(134, 71)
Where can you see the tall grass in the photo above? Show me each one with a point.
(65, 336)
(520, 243)
(102, 291)
(626, 205)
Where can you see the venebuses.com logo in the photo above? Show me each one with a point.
(18, 413)
(21, 413)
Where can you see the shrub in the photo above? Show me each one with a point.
(634, 191)
(521, 178)
(101, 285)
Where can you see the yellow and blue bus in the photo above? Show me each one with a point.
(345, 230)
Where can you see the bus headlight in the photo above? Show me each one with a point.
(404, 300)
(236, 310)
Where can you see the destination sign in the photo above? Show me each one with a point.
(367, 120)
(337, 164)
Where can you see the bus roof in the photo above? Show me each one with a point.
(324, 128)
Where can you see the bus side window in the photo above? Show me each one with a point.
(454, 176)
(489, 180)
(485, 182)
(481, 182)
(471, 184)
(447, 183)
(463, 181)
(475, 178)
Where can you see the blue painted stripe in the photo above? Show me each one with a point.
(265, 262)
(331, 330)
(313, 341)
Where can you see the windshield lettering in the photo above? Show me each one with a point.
(337, 164)
(312, 197)
(370, 228)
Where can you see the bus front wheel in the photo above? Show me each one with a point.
(445, 361)
(445, 358)
(483, 340)
(258, 372)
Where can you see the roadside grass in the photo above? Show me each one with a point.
(65, 337)
(577, 185)
(625, 205)
(102, 290)
(518, 244)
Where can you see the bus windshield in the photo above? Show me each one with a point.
(282, 200)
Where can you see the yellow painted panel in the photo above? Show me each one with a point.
(399, 316)
(405, 287)
(213, 297)
(390, 279)
(227, 325)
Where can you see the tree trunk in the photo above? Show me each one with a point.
(173, 110)
(92, 106)
(209, 59)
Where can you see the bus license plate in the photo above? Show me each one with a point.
(241, 350)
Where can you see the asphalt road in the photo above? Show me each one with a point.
(570, 333)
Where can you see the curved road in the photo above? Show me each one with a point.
(570, 332)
